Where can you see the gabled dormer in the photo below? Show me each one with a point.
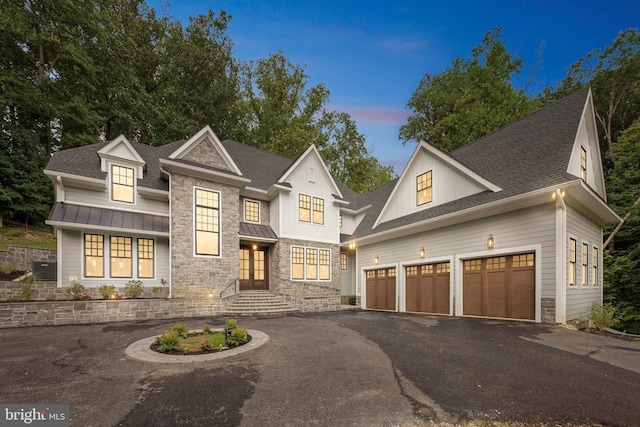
(205, 148)
(124, 166)
(431, 178)
(585, 161)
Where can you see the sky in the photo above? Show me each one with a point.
(371, 55)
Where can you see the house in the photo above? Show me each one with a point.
(509, 226)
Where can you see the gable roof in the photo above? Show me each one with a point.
(521, 158)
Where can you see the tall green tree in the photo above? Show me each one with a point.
(471, 98)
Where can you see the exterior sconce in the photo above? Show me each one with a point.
(255, 246)
(490, 242)
(376, 259)
(352, 245)
(422, 252)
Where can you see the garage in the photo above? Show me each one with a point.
(502, 286)
(381, 289)
(427, 288)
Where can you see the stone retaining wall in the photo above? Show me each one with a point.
(49, 291)
(102, 311)
(23, 257)
(315, 304)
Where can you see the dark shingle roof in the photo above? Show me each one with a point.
(261, 167)
(527, 155)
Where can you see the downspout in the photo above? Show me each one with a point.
(60, 197)
(170, 235)
(561, 262)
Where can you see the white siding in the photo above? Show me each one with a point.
(348, 277)
(580, 298)
(448, 184)
(529, 227)
(95, 198)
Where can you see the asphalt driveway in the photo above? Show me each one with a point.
(332, 369)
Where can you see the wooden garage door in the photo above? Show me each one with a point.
(501, 286)
(427, 288)
(381, 289)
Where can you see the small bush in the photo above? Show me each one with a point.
(76, 290)
(603, 316)
(26, 287)
(181, 330)
(230, 323)
(7, 267)
(133, 289)
(206, 329)
(238, 337)
(352, 300)
(157, 289)
(106, 291)
(168, 341)
(86, 296)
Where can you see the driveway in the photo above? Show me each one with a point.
(349, 368)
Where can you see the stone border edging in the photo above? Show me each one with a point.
(141, 350)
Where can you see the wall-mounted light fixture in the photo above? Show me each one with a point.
(490, 242)
(352, 245)
(255, 246)
(422, 252)
(376, 259)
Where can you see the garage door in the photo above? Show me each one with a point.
(500, 287)
(427, 288)
(381, 289)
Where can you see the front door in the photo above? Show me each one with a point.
(253, 269)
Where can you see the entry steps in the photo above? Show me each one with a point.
(258, 303)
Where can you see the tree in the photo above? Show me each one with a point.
(468, 100)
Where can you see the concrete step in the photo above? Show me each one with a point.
(249, 303)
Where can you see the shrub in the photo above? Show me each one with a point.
(181, 330)
(603, 316)
(85, 296)
(352, 300)
(206, 329)
(230, 323)
(7, 267)
(106, 291)
(238, 336)
(157, 289)
(133, 289)
(168, 341)
(76, 290)
(26, 287)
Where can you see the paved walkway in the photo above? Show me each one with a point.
(349, 368)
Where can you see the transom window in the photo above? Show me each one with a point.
(120, 256)
(424, 188)
(473, 265)
(572, 262)
(496, 263)
(122, 184)
(583, 163)
(426, 269)
(251, 211)
(444, 267)
(207, 222)
(145, 258)
(310, 263)
(93, 255)
(412, 271)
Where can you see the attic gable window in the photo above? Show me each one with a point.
(583, 163)
(423, 188)
(122, 184)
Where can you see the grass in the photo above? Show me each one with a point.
(215, 339)
(40, 236)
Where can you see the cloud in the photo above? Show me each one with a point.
(398, 44)
(373, 114)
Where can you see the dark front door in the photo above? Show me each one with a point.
(253, 269)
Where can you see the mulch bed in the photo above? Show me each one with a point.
(195, 351)
(4, 277)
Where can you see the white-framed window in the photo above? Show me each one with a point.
(310, 263)
(93, 255)
(343, 261)
(121, 256)
(251, 210)
(572, 262)
(583, 163)
(424, 193)
(310, 209)
(207, 222)
(146, 251)
(594, 279)
(122, 184)
(585, 263)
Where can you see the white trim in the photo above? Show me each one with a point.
(312, 149)
(256, 239)
(459, 274)
(93, 228)
(92, 182)
(304, 265)
(311, 210)
(201, 172)
(59, 243)
(315, 239)
(111, 184)
(244, 210)
(427, 261)
(193, 219)
(560, 258)
(105, 152)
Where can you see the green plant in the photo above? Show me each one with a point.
(133, 289)
(352, 300)
(26, 287)
(12, 299)
(238, 337)
(168, 341)
(156, 289)
(7, 267)
(75, 290)
(86, 296)
(206, 329)
(181, 330)
(106, 291)
(603, 316)
(230, 323)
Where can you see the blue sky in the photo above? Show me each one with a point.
(371, 55)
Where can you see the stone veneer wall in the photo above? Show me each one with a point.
(49, 291)
(265, 211)
(88, 312)
(200, 276)
(548, 310)
(23, 257)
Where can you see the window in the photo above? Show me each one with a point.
(145, 258)
(496, 263)
(343, 261)
(93, 255)
(572, 262)
(244, 264)
(426, 269)
(583, 163)
(443, 268)
(423, 188)
(526, 260)
(207, 222)
(473, 265)
(318, 211)
(304, 210)
(585, 262)
(120, 256)
(340, 221)
(412, 271)
(594, 279)
(121, 184)
(251, 211)
(310, 263)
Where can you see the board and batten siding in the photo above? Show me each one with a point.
(579, 298)
(529, 227)
(86, 197)
(447, 184)
(72, 251)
